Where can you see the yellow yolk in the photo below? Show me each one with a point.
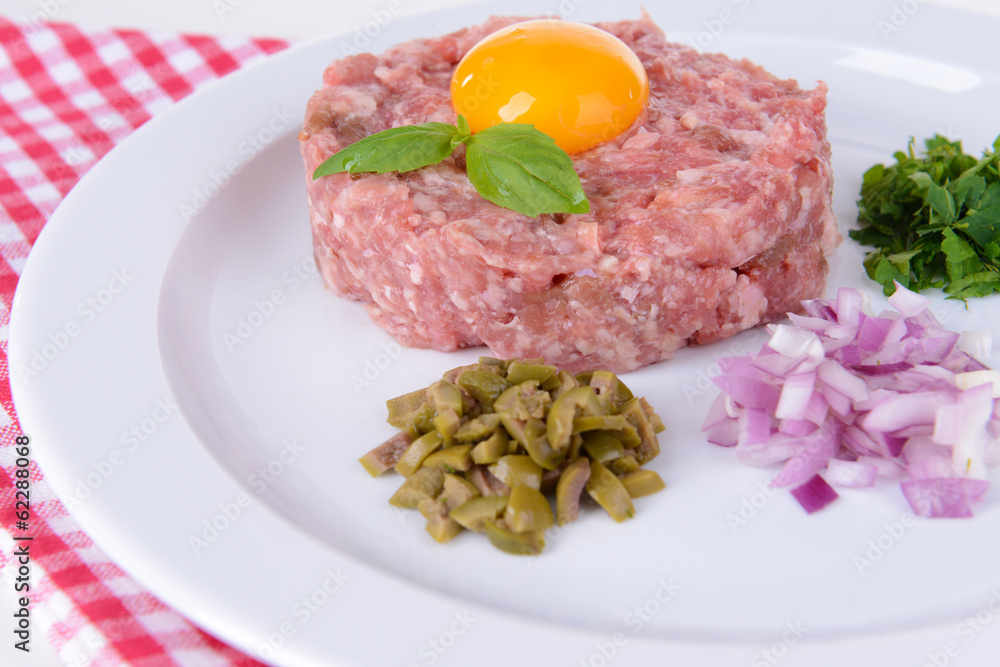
(578, 84)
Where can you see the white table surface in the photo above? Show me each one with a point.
(292, 19)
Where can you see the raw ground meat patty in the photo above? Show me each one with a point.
(711, 214)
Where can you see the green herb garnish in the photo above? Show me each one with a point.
(511, 164)
(934, 219)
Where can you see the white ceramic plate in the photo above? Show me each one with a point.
(204, 418)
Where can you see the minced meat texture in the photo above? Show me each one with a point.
(711, 214)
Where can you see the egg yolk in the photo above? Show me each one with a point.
(576, 83)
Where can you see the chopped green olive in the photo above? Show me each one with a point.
(564, 410)
(472, 513)
(483, 386)
(402, 408)
(537, 445)
(419, 450)
(446, 423)
(451, 459)
(424, 484)
(478, 429)
(522, 402)
(490, 450)
(386, 455)
(654, 418)
(610, 493)
(519, 371)
(649, 446)
(624, 465)
(599, 423)
(517, 470)
(457, 491)
(423, 418)
(602, 446)
(605, 385)
(485, 448)
(642, 482)
(568, 490)
(527, 510)
(519, 544)
(440, 526)
(443, 395)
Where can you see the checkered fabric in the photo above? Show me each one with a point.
(67, 95)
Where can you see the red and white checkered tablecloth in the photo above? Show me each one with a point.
(67, 95)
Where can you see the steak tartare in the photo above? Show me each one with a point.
(709, 215)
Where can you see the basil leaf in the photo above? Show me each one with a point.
(520, 168)
(397, 149)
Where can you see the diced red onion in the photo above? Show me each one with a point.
(815, 494)
(850, 473)
(855, 396)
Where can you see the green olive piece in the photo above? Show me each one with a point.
(424, 484)
(472, 513)
(605, 385)
(599, 423)
(654, 419)
(527, 510)
(402, 408)
(456, 491)
(610, 493)
(419, 450)
(494, 366)
(451, 459)
(642, 482)
(440, 526)
(602, 446)
(490, 450)
(624, 464)
(568, 490)
(519, 371)
(423, 418)
(386, 455)
(483, 386)
(522, 402)
(649, 446)
(478, 429)
(537, 445)
(564, 410)
(444, 396)
(517, 470)
(519, 544)
(446, 423)
(560, 384)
